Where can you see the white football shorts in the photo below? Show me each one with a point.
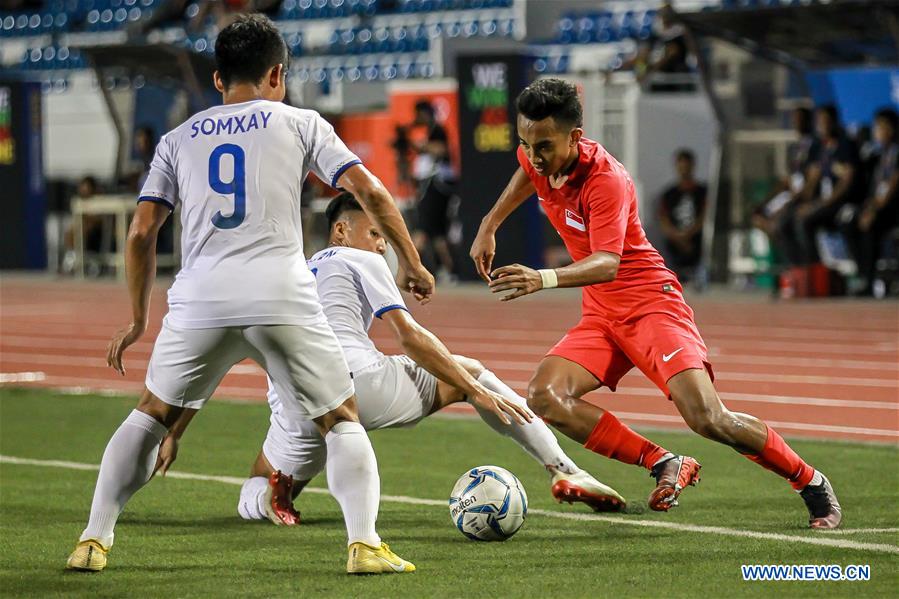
(392, 392)
(304, 362)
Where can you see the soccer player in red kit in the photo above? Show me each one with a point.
(633, 310)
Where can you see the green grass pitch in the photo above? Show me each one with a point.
(183, 538)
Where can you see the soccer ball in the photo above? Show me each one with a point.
(488, 504)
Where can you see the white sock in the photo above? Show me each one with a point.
(127, 465)
(251, 505)
(535, 438)
(353, 480)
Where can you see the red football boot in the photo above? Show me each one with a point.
(672, 476)
(279, 500)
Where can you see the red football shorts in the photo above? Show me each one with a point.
(661, 345)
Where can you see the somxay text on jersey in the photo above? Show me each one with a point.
(230, 125)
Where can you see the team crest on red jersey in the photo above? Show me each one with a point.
(574, 220)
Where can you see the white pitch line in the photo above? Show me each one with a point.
(858, 531)
(619, 520)
(22, 377)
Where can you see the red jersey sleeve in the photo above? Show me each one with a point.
(607, 201)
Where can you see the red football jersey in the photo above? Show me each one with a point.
(596, 210)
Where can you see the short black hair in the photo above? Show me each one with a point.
(891, 117)
(425, 106)
(685, 154)
(551, 98)
(831, 111)
(90, 180)
(341, 204)
(247, 48)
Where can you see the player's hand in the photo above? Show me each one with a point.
(120, 342)
(417, 281)
(482, 252)
(521, 280)
(505, 410)
(168, 453)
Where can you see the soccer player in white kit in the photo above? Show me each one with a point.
(244, 290)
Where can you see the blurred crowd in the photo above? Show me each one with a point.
(97, 230)
(840, 200)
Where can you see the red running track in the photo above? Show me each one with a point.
(825, 368)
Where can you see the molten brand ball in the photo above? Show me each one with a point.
(488, 504)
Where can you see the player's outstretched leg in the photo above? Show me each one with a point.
(555, 394)
(269, 497)
(569, 483)
(127, 465)
(695, 397)
(353, 480)
(299, 453)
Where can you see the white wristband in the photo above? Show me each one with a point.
(549, 277)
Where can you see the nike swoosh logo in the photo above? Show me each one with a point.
(667, 357)
(396, 567)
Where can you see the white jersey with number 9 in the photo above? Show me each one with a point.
(237, 171)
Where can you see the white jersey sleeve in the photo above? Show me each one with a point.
(327, 155)
(161, 184)
(377, 284)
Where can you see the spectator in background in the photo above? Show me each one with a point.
(436, 181)
(776, 215)
(879, 213)
(402, 147)
(830, 183)
(92, 227)
(144, 149)
(681, 214)
(666, 51)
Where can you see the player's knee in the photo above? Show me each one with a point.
(704, 424)
(543, 398)
(716, 425)
(163, 413)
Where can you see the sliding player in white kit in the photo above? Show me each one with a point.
(244, 290)
(355, 286)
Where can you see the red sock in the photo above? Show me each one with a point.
(779, 458)
(615, 440)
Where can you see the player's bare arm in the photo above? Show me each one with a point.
(431, 354)
(168, 449)
(379, 205)
(599, 267)
(140, 271)
(483, 249)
